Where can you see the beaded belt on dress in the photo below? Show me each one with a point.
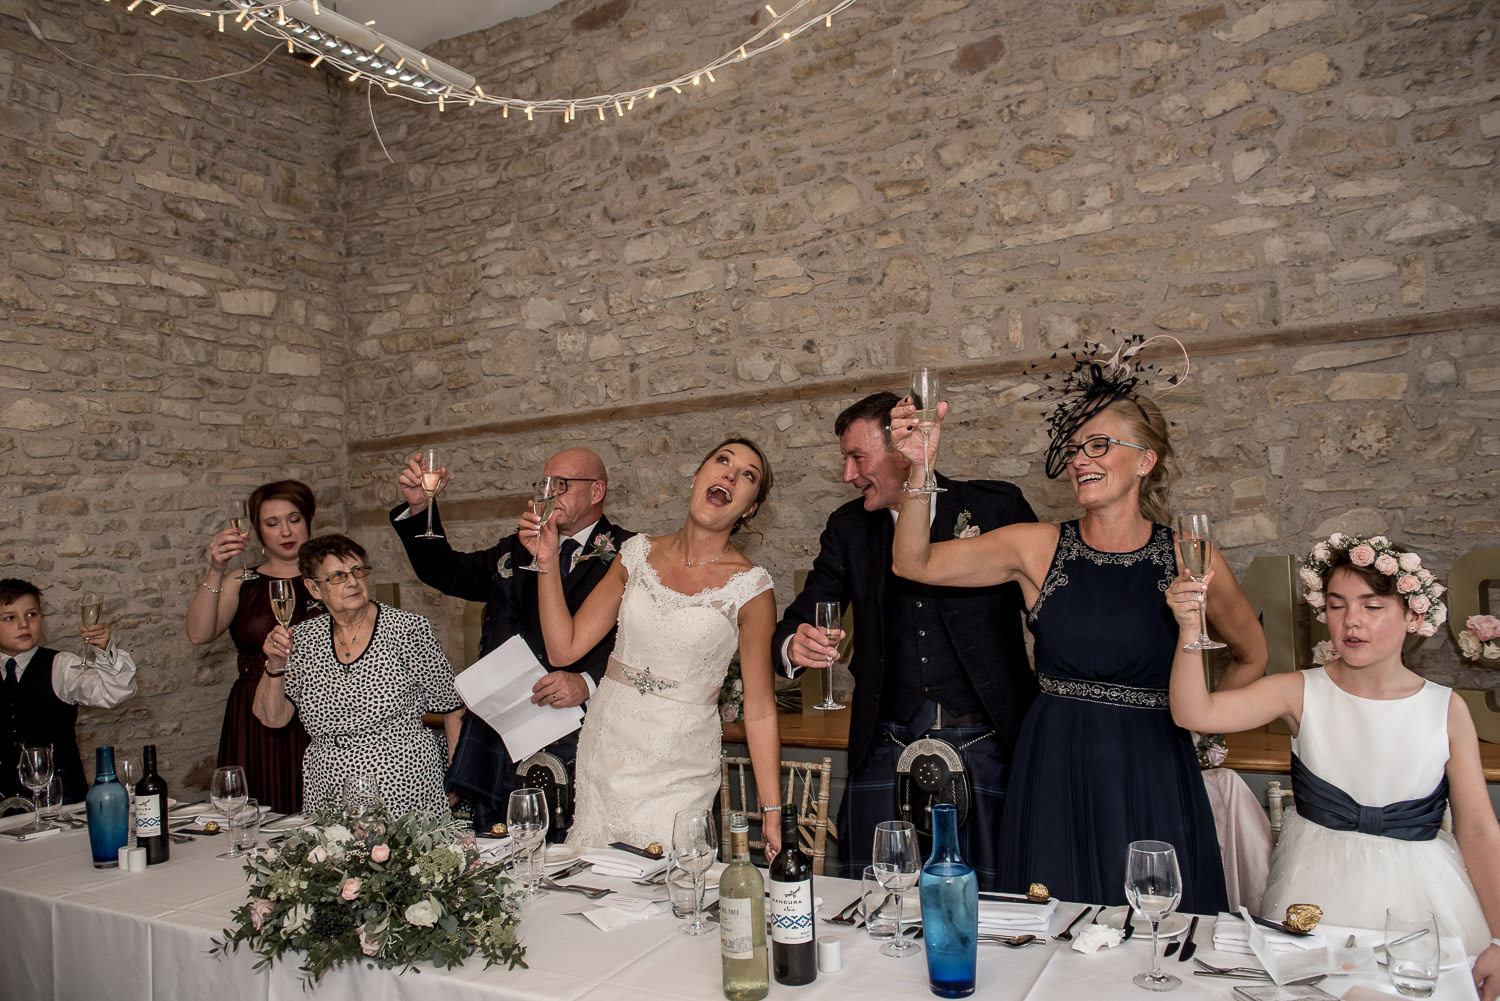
(645, 682)
(1124, 696)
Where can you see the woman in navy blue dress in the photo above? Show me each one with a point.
(1099, 762)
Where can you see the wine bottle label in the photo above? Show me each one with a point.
(736, 927)
(148, 816)
(791, 912)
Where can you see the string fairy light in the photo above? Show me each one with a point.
(361, 51)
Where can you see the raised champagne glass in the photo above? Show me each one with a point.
(1195, 543)
(544, 501)
(239, 520)
(432, 476)
(283, 601)
(89, 610)
(828, 615)
(926, 391)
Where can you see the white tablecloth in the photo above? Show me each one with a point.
(68, 930)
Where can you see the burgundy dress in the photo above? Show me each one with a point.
(272, 757)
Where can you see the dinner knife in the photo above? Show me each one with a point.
(1188, 945)
(1127, 925)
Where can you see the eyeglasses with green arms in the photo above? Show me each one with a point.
(339, 576)
(1096, 447)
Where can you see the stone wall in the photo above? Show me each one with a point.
(216, 284)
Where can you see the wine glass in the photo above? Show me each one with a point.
(89, 609)
(128, 770)
(36, 772)
(826, 617)
(361, 793)
(526, 823)
(239, 520)
(229, 793)
(926, 391)
(544, 501)
(1195, 542)
(898, 864)
(1153, 885)
(283, 601)
(432, 476)
(694, 845)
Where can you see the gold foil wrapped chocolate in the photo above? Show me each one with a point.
(212, 827)
(1303, 918)
(654, 849)
(497, 830)
(1038, 892)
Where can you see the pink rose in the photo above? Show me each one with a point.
(969, 533)
(368, 945)
(317, 854)
(1316, 599)
(1337, 540)
(1418, 603)
(1310, 577)
(1427, 629)
(380, 853)
(1484, 627)
(1406, 584)
(351, 889)
(729, 713)
(1321, 552)
(1410, 561)
(260, 909)
(1386, 564)
(1362, 555)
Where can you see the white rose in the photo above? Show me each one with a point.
(1379, 540)
(1321, 552)
(1491, 651)
(1322, 653)
(1409, 561)
(1336, 540)
(299, 915)
(424, 913)
(1311, 577)
(1316, 600)
(1468, 645)
(337, 834)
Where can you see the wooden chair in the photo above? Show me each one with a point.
(805, 786)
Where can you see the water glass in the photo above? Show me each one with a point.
(49, 800)
(1412, 951)
(247, 827)
(877, 906)
(682, 889)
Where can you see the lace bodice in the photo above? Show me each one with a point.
(685, 637)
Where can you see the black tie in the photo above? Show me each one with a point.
(12, 672)
(570, 546)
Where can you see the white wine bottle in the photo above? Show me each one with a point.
(742, 920)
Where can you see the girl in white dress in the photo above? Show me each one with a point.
(1377, 753)
(684, 602)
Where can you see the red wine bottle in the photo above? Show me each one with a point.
(794, 953)
(151, 811)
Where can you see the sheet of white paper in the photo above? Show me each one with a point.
(498, 687)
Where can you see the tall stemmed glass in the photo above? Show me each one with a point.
(229, 793)
(694, 844)
(898, 864)
(526, 823)
(544, 495)
(239, 520)
(128, 770)
(89, 610)
(283, 601)
(925, 392)
(432, 478)
(36, 772)
(1195, 542)
(827, 617)
(1153, 885)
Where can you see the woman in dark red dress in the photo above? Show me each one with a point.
(282, 514)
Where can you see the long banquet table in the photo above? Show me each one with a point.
(69, 931)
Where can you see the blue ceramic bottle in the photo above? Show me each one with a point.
(107, 805)
(950, 910)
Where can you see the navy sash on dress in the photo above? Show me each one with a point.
(1326, 805)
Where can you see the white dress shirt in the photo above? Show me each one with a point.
(105, 683)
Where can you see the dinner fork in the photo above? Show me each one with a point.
(592, 892)
(1066, 935)
(848, 915)
(1220, 971)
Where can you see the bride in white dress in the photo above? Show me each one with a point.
(1377, 752)
(684, 602)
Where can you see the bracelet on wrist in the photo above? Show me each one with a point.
(771, 809)
(270, 673)
(206, 585)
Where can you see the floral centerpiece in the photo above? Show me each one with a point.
(1480, 638)
(388, 892)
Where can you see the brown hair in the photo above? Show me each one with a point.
(13, 589)
(294, 492)
(1379, 583)
(766, 479)
(317, 549)
(1148, 427)
(875, 407)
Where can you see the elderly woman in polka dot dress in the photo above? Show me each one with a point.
(361, 678)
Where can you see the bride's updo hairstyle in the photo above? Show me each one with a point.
(766, 479)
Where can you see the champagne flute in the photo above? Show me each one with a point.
(544, 501)
(926, 391)
(898, 864)
(827, 616)
(229, 792)
(1153, 885)
(128, 770)
(1195, 542)
(239, 520)
(36, 772)
(526, 823)
(432, 475)
(283, 601)
(693, 848)
(89, 609)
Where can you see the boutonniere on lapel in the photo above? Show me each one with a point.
(503, 567)
(601, 548)
(962, 528)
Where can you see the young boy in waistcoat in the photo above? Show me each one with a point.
(41, 689)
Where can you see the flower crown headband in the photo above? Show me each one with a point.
(1096, 382)
(1414, 582)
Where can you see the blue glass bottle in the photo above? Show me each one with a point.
(950, 910)
(107, 805)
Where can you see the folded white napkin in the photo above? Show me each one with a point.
(496, 848)
(613, 862)
(609, 917)
(221, 819)
(1012, 917)
(1232, 934)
